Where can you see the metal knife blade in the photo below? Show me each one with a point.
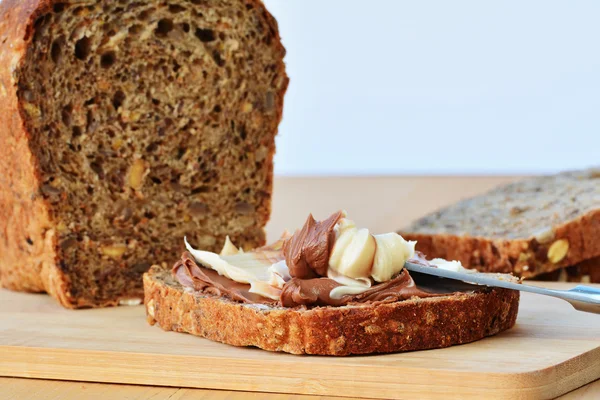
(582, 298)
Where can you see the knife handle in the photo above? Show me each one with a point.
(587, 298)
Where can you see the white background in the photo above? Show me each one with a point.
(441, 87)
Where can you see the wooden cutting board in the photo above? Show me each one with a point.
(552, 350)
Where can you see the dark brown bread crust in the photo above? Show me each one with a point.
(545, 210)
(375, 328)
(28, 244)
(32, 245)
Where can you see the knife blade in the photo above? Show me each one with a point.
(581, 297)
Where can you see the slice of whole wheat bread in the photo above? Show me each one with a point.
(414, 324)
(529, 227)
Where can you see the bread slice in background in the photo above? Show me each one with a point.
(530, 227)
(380, 327)
(125, 126)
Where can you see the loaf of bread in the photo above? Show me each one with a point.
(125, 126)
(530, 227)
(374, 327)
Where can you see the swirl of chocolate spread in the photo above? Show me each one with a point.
(205, 280)
(307, 251)
(307, 255)
(316, 292)
(304, 292)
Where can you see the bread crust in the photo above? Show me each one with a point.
(415, 324)
(28, 246)
(524, 257)
(30, 255)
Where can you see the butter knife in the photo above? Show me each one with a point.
(582, 298)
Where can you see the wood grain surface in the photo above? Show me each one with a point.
(553, 349)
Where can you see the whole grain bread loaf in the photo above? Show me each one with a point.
(415, 324)
(126, 125)
(529, 227)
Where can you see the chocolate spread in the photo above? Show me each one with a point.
(307, 255)
(298, 292)
(307, 251)
(315, 292)
(205, 280)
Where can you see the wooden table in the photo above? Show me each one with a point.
(382, 204)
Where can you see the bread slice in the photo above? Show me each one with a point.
(125, 125)
(414, 324)
(530, 227)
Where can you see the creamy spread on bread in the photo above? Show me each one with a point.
(295, 292)
(326, 263)
(455, 266)
(352, 257)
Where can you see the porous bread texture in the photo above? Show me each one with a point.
(415, 324)
(529, 227)
(125, 126)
